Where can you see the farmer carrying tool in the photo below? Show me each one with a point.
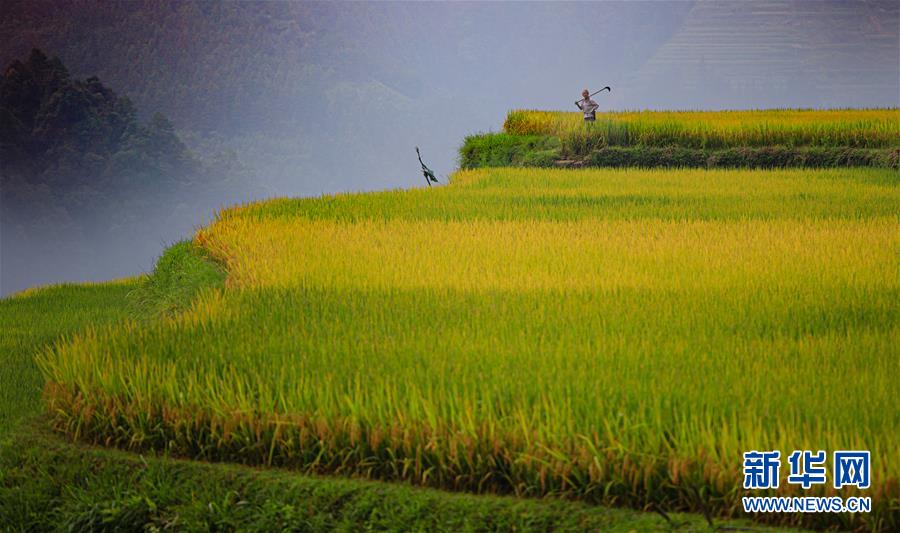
(429, 175)
(588, 105)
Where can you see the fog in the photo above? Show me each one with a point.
(318, 98)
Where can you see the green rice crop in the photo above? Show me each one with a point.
(616, 336)
(47, 484)
(37, 317)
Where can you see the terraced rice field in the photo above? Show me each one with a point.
(854, 128)
(617, 336)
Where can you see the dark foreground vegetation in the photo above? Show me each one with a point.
(49, 484)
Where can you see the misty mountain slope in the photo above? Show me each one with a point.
(175, 57)
(323, 97)
(87, 189)
(780, 53)
(259, 60)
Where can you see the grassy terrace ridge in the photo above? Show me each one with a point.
(48, 483)
(712, 139)
(581, 334)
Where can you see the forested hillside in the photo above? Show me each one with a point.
(82, 174)
(66, 132)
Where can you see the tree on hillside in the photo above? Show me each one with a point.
(87, 188)
(62, 131)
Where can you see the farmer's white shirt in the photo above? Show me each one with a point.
(588, 106)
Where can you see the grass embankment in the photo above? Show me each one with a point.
(181, 273)
(48, 484)
(612, 336)
(763, 139)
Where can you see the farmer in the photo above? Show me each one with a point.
(588, 105)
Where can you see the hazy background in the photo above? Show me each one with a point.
(291, 98)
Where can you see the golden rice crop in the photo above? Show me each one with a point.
(859, 128)
(614, 336)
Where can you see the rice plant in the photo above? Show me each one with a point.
(856, 128)
(38, 316)
(616, 336)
